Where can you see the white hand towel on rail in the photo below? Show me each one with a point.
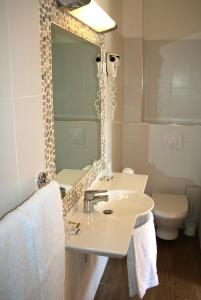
(19, 278)
(44, 210)
(141, 259)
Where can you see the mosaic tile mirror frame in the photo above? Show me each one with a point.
(50, 14)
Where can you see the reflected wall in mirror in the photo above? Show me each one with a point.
(75, 87)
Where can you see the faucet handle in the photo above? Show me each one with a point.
(99, 191)
(90, 198)
(90, 194)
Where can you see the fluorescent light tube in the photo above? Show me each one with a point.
(95, 17)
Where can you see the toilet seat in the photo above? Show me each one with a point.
(170, 205)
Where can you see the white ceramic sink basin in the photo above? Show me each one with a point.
(109, 235)
(125, 202)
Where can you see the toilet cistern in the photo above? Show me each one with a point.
(92, 197)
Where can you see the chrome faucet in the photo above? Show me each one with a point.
(92, 197)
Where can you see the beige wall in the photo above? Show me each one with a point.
(144, 147)
(184, 16)
(21, 128)
(132, 18)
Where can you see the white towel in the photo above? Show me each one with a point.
(19, 278)
(44, 209)
(141, 259)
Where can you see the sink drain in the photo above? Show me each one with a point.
(108, 211)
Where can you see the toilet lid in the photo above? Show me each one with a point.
(170, 205)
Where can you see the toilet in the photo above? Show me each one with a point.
(169, 212)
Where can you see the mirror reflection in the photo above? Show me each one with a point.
(75, 88)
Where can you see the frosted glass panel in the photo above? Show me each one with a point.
(172, 62)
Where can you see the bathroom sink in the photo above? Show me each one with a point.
(109, 234)
(125, 202)
(108, 229)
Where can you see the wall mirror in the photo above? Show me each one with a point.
(77, 128)
(60, 33)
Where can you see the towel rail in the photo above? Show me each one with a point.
(42, 180)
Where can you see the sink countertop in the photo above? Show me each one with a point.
(107, 235)
(122, 181)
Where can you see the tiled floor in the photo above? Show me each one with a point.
(179, 269)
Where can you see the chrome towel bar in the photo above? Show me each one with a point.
(42, 180)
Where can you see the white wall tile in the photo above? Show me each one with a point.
(157, 65)
(195, 104)
(166, 161)
(168, 170)
(172, 81)
(180, 103)
(196, 64)
(181, 64)
(117, 134)
(133, 104)
(25, 47)
(135, 147)
(9, 196)
(192, 143)
(173, 66)
(133, 48)
(133, 61)
(30, 142)
(5, 78)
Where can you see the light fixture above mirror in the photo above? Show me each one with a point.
(89, 13)
(72, 4)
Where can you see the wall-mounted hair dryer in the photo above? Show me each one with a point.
(113, 61)
(101, 66)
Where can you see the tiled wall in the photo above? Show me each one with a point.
(21, 128)
(172, 81)
(169, 169)
(172, 61)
